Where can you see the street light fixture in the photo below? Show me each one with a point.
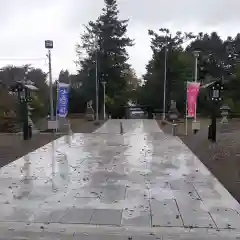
(49, 46)
(196, 55)
(165, 82)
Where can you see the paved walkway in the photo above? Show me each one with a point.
(141, 184)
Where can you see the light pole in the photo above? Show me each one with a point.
(165, 83)
(196, 55)
(96, 77)
(49, 46)
(104, 97)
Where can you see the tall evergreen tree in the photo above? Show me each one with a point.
(178, 70)
(104, 41)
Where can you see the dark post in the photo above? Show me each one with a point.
(215, 96)
(25, 119)
(214, 123)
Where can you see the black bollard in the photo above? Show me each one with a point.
(25, 131)
(214, 124)
(29, 131)
(210, 132)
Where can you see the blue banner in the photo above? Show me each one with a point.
(62, 103)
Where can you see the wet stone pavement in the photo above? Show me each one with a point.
(142, 184)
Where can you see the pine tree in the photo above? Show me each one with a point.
(106, 40)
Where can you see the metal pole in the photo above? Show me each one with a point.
(96, 88)
(104, 107)
(196, 68)
(96, 84)
(165, 82)
(56, 105)
(50, 84)
(186, 116)
(196, 54)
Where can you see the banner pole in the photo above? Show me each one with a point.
(56, 105)
(186, 120)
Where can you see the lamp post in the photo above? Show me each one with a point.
(215, 90)
(196, 55)
(49, 46)
(165, 83)
(23, 90)
(104, 99)
(96, 78)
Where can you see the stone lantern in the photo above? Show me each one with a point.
(24, 90)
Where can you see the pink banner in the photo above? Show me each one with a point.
(192, 93)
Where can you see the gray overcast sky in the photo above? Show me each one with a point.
(25, 24)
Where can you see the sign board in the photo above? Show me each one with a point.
(192, 93)
(195, 125)
(62, 103)
(52, 124)
(49, 44)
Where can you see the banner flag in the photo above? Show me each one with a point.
(192, 93)
(62, 102)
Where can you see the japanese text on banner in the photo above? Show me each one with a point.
(192, 93)
(62, 105)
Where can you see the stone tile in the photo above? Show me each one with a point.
(140, 192)
(48, 215)
(184, 190)
(77, 215)
(196, 236)
(194, 215)
(6, 210)
(137, 213)
(139, 219)
(206, 191)
(19, 215)
(225, 217)
(113, 193)
(160, 194)
(83, 202)
(181, 185)
(106, 217)
(24, 235)
(146, 237)
(89, 192)
(97, 168)
(165, 214)
(91, 236)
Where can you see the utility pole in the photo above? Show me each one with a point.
(96, 80)
(49, 46)
(165, 77)
(215, 93)
(165, 83)
(50, 84)
(196, 55)
(104, 98)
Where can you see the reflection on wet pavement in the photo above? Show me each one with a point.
(142, 178)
